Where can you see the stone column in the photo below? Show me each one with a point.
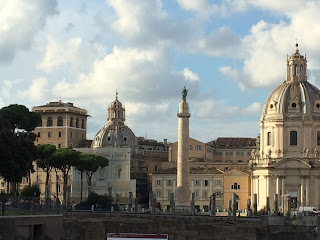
(316, 191)
(302, 199)
(307, 191)
(183, 185)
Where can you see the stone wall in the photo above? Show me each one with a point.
(83, 227)
(31, 227)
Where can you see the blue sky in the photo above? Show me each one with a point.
(229, 53)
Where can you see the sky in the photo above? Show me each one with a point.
(230, 54)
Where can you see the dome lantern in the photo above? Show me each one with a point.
(116, 113)
(296, 67)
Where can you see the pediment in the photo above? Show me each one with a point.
(292, 163)
(235, 172)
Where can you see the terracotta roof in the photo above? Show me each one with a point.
(241, 169)
(231, 141)
(198, 170)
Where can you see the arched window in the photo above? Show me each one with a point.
(296, 70)
(71, 122)
(269, 138)
(60, 121)
(49, 122)
(77, 122)
(290, 68)
(318, 138)
(293, 138)
(301, 70)
(82, 124)
(235, 186)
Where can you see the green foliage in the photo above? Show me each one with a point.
(104, 201)
(30, 191)
(17, 150)
(45, 152)
(18, 117)
(65, 158)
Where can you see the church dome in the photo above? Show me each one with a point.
(295, 97)
(115, 133)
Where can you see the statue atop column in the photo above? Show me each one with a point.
(184, 93)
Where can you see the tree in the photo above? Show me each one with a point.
(17, 149)
(90, 164)
(63, 159)
(45, 152)
(30, 191)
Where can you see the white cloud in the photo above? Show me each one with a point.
(145, 23)
(19, 22)
(265, 48)
(74, 52)
(36, 91)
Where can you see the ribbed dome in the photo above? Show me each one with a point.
(298, 98)
(113, 135)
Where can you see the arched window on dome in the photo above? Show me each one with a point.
(269, 138)
(49, 122)
(71, 122)
(77, 122)
(82, 124)
(301, 70)
(318, 138)
(293, 138)
(290, 69)
(296, 70)
(60, 121)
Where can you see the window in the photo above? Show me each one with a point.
(198, 147)
(218, 194)
(205, 194)
(197, 182)
(301, 70)
(169, 193)
(155, 168)
(71, 122)
(296, 70)
(239, 153)
(318, 138)
(71, 135)
(158, 182)
(77, 122)
(290, 70)
(235, 186)
(60, 134)
(158, 193)
(218, 182)
(49, 122)
(38, 134)
(196, 194)
(293, 138)
(218, 153)
(49, 134)
(60, 121)
(206, 183)
(229, 153)
(59, 145)
(190, 147)
(169, 183)
(82, 124)
(269, 138)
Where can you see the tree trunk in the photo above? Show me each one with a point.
(57, 192)
(81, 186)
(46, 192)
(89, 183)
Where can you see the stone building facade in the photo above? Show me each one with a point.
(286, 165)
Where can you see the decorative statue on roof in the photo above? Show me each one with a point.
(184, 93)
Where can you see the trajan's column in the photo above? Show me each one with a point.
(183, 186)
